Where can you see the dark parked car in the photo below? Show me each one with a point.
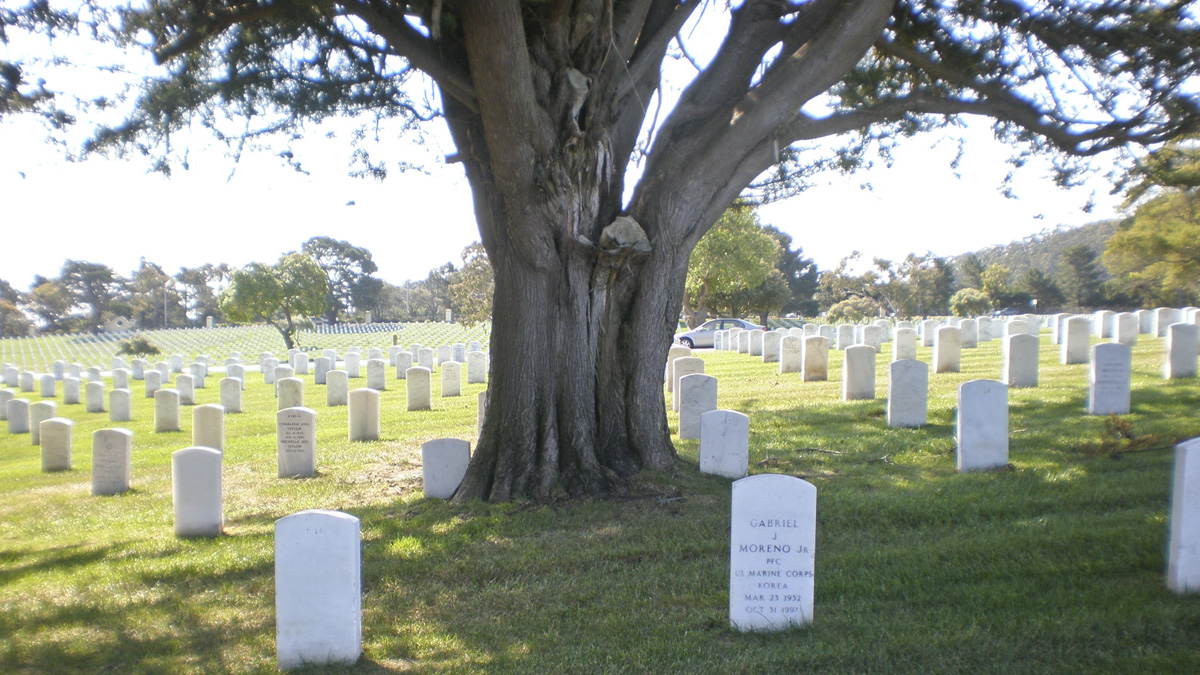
(703, 335)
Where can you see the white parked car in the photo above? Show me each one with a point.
(703, 335)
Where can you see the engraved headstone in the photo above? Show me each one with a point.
(1126, 331)
(443, 465)
(48, 386)
(772, 552)
(112, 461)
(196, 492)
(321, 368)
(153, 382)
(296, 442)
(318, 589)
(725, 443)
(451, 379)
(674, 352)
(425, 358)
(904, 344)
(1109, 379)
(791, 354)
(982, 425)
(756, 343)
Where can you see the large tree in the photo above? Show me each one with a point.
(92, 285)
(283, 295)
(346, 267)
(551, 102)
(733, 259)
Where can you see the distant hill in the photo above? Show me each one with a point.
(1041, 251)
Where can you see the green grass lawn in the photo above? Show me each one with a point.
(1053, 565)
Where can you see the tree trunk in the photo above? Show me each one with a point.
(575, 387)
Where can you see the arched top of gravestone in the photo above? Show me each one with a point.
(199, 455)
(1023, 338)
(909, 366)
(982, 387)
(1112, 350)
(337, 520)
(298, 411)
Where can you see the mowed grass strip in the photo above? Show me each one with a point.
(1054, 564)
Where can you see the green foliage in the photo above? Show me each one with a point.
(1160, 248)
(90, 284)
(13, 322)
(970, 302)
(732, 258)
(138, 346)
(346, 267)
(1042, 289)
(283, 294)
(1042, 251)
(799, 273)
(472, 286)
(853, 310)
(994, 283)
(1080, 276)
(50, 301)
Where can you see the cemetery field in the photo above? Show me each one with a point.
(1054, 564)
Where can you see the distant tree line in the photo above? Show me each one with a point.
(84, 296)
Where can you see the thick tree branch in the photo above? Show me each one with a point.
(418, 49)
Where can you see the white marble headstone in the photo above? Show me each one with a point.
(772, 552)
(318, 589)
(725, 443)
(296, 442)
(982, 425)
(112, 461)
(443, 464)
(196, 492)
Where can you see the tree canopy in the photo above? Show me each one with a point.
(283, 295)
(734, 258)
(551, 104)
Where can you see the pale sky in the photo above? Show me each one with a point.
(114, 212)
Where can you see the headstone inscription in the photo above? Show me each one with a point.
(1109, 379)
(772, 551)
(296, 442)
(451, 379)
